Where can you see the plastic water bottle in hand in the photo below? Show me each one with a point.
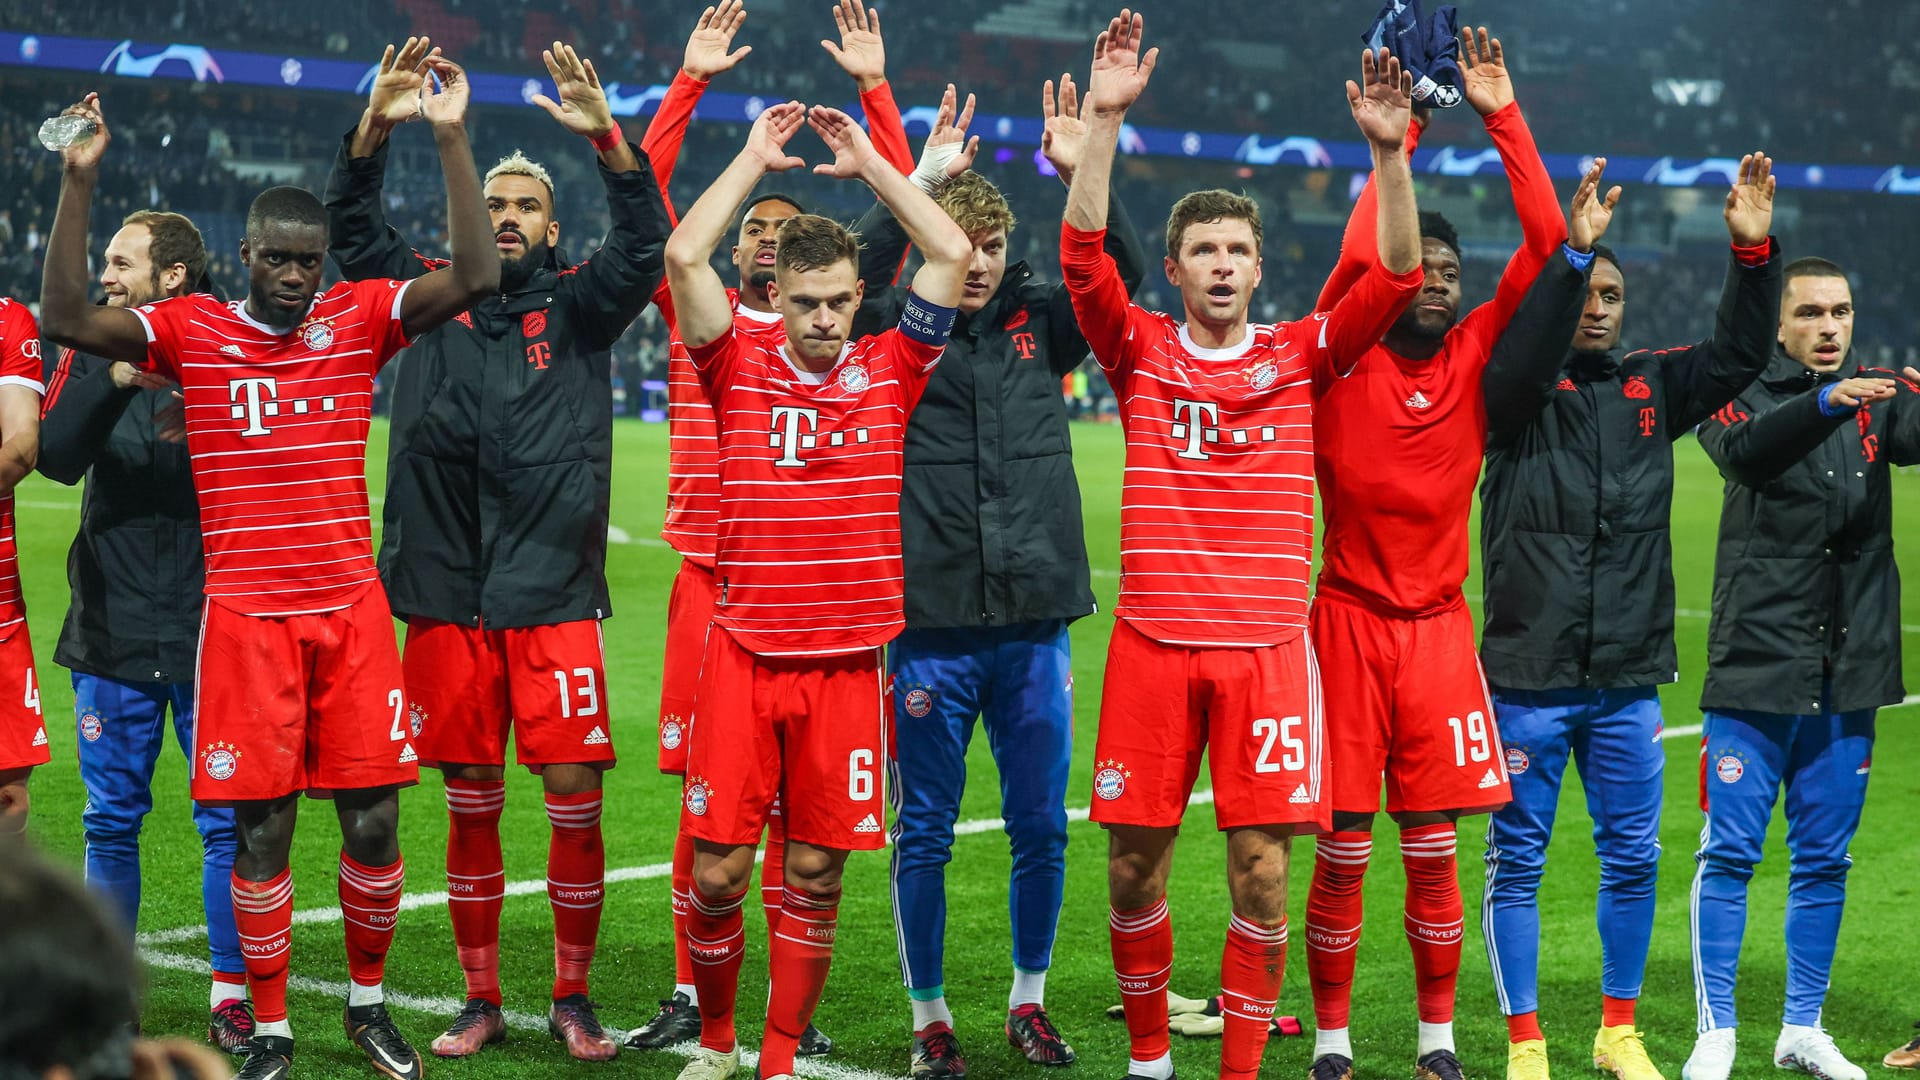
(60, 132)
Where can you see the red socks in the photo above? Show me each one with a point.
(1434, 915)
(370, 903)
(263, 912)
(1615, 1012)
(682, 901)
(576, 885)
(773, 875)
(475, 880)
(1333, 922)
(1142, 957)
(716, 939)
(1524, 1027)
(1251, 966)
(797, 967)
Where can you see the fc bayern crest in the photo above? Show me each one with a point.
(90, 727)
(919, 702)
(220, 760)
(853, 379)
(1729, 769)
(1110, 781)
(671, 733)
(1517, 761)
(1262, 376)
(317, 335)
(416, 717)
(697, 796)
(533, 323)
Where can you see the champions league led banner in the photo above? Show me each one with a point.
(197, 63)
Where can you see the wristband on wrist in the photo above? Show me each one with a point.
(610, 141)
(1754, 254)
(930, 174)
(1579, 260)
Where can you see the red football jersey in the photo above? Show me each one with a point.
(277, 432)
(1216, 510)
(693, 440)
(809, 540)
(19, 366)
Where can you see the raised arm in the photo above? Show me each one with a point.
(474, 270)
(1120, 74)
(1358, 242)
(709, 52)
(20, 390)
(359, 237)
(1706, 376)
(65, 315)
(945, 248)
(862, 54)
(701, 306)
(1489, 89)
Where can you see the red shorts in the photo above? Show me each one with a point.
(689, 612)
(1407, 698)
(1256, 709)
(467, 685)
(294, 703)
(23, 731)
(807, 731)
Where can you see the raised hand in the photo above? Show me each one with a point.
(948, 144)
(86, 151)
(861, 53)
(1589, 215)
(1120, 72)
(395, 97)
(1749, 210)
(712, 36)
(1483, 76)
(446, 96)
(582, 108)
(852, 150)
(1064, 139)
(1382, 102)
(771, 131)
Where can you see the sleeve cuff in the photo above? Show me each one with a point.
(1756, 254)
(1579, 260)
(34, 385)
(1827, 408)
(145, 323)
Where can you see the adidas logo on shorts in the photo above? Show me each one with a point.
(1492, 779)
(596, 737)
(1300, 795)
(868, 824)
(407, 754)
(40, 736)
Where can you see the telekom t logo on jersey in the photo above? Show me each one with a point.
(786, 433)
(257, 398)
(1192, 421)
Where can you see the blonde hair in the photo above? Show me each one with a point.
(519, 164)
(975, 204)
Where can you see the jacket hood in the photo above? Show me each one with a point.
(1592, 366)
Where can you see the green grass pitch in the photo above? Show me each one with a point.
(865, 1009)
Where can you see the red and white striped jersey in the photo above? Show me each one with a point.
(693, 450)
(809, 537)
(1216, 508)
(277, 433)
(19, 366)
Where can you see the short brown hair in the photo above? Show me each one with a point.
(975, 204)
(1811, 266)
(812, 242)
(1201, 207)
(172, 239)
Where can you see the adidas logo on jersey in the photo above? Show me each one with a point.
(1300, 795)
(868, 824)
(231, 350)
(407, 754)
(1418, 401)
(1492, 779)
(596, 737)
(40, 736)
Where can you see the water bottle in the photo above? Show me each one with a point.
(60, 132)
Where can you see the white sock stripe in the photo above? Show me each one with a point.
(1259, 933)
(451, 876)
(1136, 921)
(260, 902)
(388, 879)
(266, 937)
(596, 883)
(577, 907)
(793, 898)
(470, 802)
(1345, 847)
(1428, 851)
(472, 899)
(1150, 978)
(712, 908)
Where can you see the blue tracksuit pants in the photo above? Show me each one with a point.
(1821, 760)
(122, 727)
(1018, 680)
(1613, 737)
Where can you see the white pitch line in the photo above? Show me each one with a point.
(519, 1021)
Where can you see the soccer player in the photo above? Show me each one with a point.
(1397, 450)
(808, 561)
(996, 568)
(1210, 651)
(138, 576)
(23, 732)
(495, 551)
(1803, 649)
(693, 489)
(298, 681)
(1580, 634)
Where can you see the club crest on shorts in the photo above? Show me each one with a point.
(90, 727)
(1261, 375)
(1729, 768)
(1110, 780)
(220, 759)
(919, 702)
(317, 335)
(1517, 761)
(671, 731)
(854, 379)
(698, 795)
(416, 717)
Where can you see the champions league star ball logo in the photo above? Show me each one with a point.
(919, 702)
(220, 759)
(1110, 781)
(1262, 375)
(671, 732)
(853, 379)
(698, 794)
(90, 727)
(1517, 761)
(317, 335)
(1729, 769)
